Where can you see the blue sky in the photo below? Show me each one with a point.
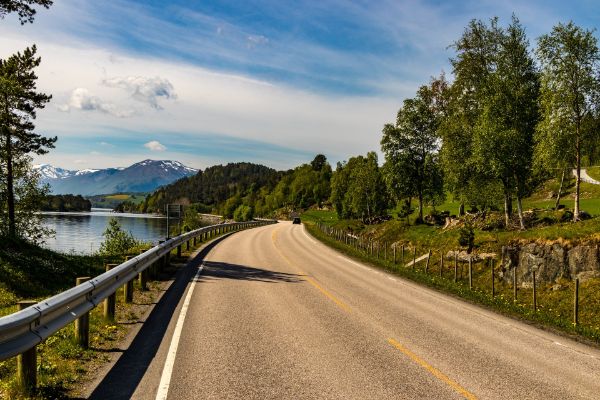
(274, 82)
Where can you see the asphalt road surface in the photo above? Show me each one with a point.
(277, 315)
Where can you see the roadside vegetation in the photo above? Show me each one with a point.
(30, 272)
(554, 300)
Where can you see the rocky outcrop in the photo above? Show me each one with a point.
(551, 261)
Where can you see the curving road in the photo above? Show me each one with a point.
(276, 315)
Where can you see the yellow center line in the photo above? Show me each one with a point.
(331, 297)
(434, 371)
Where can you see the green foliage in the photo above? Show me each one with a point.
(65, 202)
(570, 89)
(28, 195)
(116, 240)
(191, 219)
(23, 8)
(243, 213)
(357, 189)
(466, 236)
(412, 168)
(19, 101)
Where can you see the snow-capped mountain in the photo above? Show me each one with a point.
(144, 176)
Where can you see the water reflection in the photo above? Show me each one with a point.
(81, 232)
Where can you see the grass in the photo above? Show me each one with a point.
(33, 273)
(554, 306)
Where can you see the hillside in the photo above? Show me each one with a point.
(214, 185)
(144, 176)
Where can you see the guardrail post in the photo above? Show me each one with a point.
(82, 324)
(187, 245)
(179, 251)
(27, 362)
(143, 279)
(111, 301)
(128, 288)
(194, 241)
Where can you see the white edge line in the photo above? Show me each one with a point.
(306, 234)
(165, 379)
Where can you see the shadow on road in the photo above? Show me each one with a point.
(221, 270)
(125, 376)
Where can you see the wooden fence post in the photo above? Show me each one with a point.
(493, 277)
(470, 272)
(428, 258)
(402, 255)
(441, 263)
(82, 324)
(534, 292)
(111, 301)
(27, 362)
(414, 257)
(455, 266)
(576, 303)
(515, 288)
(394, 254)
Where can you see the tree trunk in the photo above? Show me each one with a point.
(506, 215)
(520, 211)
(10, 192)
(562, 181)
(577, 174)
(420, 208)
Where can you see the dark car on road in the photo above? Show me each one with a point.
(296, 220)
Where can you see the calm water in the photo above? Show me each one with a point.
(81, 232)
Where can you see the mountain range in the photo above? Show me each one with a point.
(144, 176)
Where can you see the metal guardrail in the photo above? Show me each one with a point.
(24, 329)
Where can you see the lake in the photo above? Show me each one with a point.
(81, 232)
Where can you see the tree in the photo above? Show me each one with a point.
(18, 104)
(503, 136)
(474, 61)
(23, 8)
(411, 146)
(29, 195)
(358, 190)
(116, 240)
(570, 89)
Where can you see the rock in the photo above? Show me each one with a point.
(558, 286)
(584, 215)
(584, 276)
(583, 258)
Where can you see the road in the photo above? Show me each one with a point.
(277, 315)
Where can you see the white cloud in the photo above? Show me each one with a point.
(256, 40)
(208, 103)
(155, 145)
(146, 90)
(82, 99)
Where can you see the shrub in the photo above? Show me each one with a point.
(243, 213)
(116, 240)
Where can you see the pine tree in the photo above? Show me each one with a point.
(19, 102)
